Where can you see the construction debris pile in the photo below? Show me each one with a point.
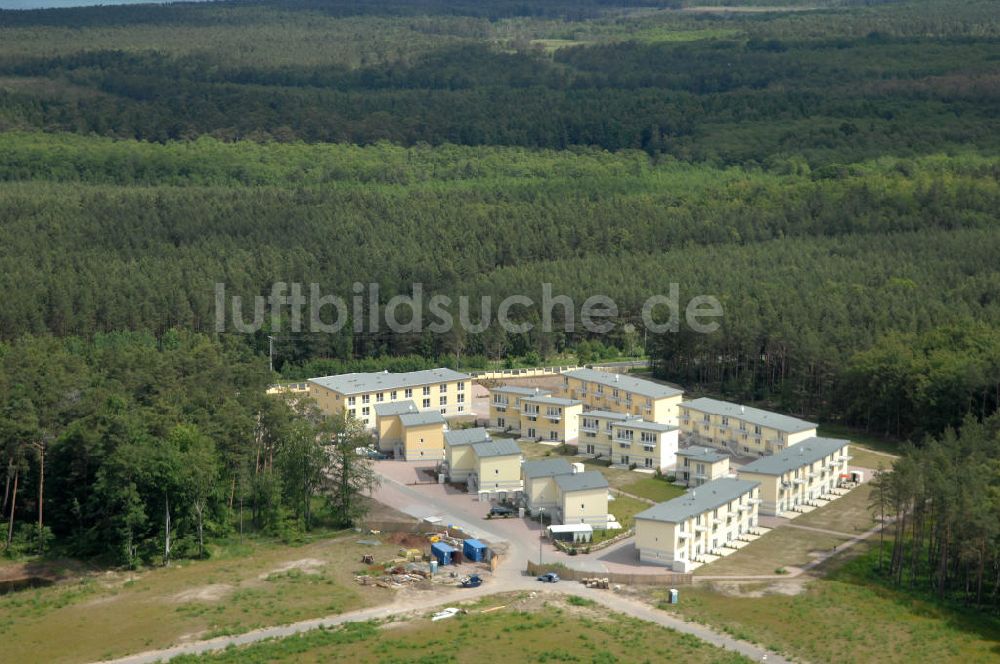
(595, 582)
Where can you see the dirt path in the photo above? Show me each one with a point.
(508, 577)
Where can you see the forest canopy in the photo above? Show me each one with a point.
(830, 174)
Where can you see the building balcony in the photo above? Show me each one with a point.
(701, 529)
(593, 429)
(619, 439)
(649, 448)
(553, 418)
(683, 534)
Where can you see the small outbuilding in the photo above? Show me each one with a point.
(572, 532)
(444, 553)
(474, 550)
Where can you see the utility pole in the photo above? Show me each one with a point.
(270, 353)
(541, 532)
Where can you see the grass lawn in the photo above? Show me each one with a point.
(845, 618)
(859, 436)
(625, 508)
(782, 547)
(868, 459)
(654, 489)
(544, 629)
(848, 514)
(241, 587)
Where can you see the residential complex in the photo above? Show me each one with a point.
(497, 468)
(540, 489)
(705, 521)
(798, 475)
(644, 444)
(596, 434)
(583, 498)
(505, 406)
(549, 418)
(423, 436)
(697, 465)
(486, 465)
(741, 429)
(621, 393)
(566, 493)
(460, 461)
(444, 391)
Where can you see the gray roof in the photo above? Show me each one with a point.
(518, 389)
(752, 415)
(646, 388)
(421, 418)
(549, 399)
(546, 468)
(644, 425)
(807, 451)
(608, 415)
(496, 447)
(705, 454)
(591, 479)
(356, 383)
(706, 497)
(395, 408)
(466, 436)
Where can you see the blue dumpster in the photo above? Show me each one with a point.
(443, 552)
(474, 550)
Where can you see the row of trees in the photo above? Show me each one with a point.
(942, 502)
(138, 449)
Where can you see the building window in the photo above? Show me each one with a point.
(366, 398)
(649, 462)
(443, 401)
(442, 388)
(427, 403)
(461, 398)
(461, 409)
(444, 410)
(364, 411)
(350, 401)
(461, 387)
(408, 392)
(351, 413)
(380, 397)
(392, 395)
(427, 390)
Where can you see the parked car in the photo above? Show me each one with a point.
(549, 577)
(500, 512)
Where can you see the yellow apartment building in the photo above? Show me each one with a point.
(596, 438)
(460, 461)
(681, 532)
(388, 429)
(540, 488)
(423, 436)
(697, 465)
(743, 430)
(798, 475)
(497, 468)
(621, 393)
(644, 444)
(583, 498)
(549, 418)
(444, 391)
(505, 406)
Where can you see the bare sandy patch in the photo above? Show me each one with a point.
(306, 565)
(210, 593)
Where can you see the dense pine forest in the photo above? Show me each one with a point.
(831, 174)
